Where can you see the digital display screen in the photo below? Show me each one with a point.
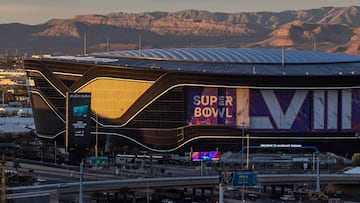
(205, 156)
(80, 111)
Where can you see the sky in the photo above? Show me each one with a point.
(40, 11)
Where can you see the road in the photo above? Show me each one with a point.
(56, 175)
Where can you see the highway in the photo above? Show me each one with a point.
(174, 182)
(190, 181)
(65, 181)
(62, 173)
(289, 179)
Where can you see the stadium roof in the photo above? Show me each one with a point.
(238, 55)
(229, 61)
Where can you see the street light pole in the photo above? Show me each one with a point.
(242, 145)
(243, 191)
(81, 181)
(247, 150)
(96, 137)
(3, 182)
(221, 194)
(317, 172)
(13, 159)
(242, 160)
(3, 98)
(147, 193)
(55, 151)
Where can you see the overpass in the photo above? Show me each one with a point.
(55, 190)
(290, 179)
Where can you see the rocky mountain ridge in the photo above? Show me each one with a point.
(325, 29)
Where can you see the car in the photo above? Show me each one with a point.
(167, 201)
(253, 196)
(10, 172)
(41, 180)
(62, 185)
(287, 197)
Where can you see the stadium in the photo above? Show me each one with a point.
(171, 100)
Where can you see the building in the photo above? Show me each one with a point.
(168, 100)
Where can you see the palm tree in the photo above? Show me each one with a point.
(16, 165)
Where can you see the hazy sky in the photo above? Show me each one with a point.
(40, 11)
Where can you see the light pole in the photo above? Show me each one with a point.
(96, 137)
(242, 145)
(243, 191)
(317, 172)
(247, 150)
(55, 152)
(242, 159)
(3, 182)
(221, 194)
(3, 98)
(147, 193)
(314, 41)
(96, 143)
(81, 181)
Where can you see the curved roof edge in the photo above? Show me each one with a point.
(235, 55)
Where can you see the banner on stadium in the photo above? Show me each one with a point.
(281, 110)
(214, 106)
(79, 120)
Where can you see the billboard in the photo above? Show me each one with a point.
(79, 120)
(216, 106)
(205, 156)
(275, 110)
(304, 110)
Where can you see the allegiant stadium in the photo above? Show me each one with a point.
(168, 100)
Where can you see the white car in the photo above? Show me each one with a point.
(287, 197)
(40, 180)
(167, 201)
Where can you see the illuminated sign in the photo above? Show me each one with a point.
(305, 110)
(213, 106)
(281, 145)
(205, 156)
(79, 120)
(278, 110)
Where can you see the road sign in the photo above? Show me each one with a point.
(244, 178)
(239, 178)
(101, 160)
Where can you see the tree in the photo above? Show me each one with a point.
(355, 159)
(162, 171)
(16, 166)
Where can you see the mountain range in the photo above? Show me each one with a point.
(329, 29)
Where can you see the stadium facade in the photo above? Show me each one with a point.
(166, 100)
